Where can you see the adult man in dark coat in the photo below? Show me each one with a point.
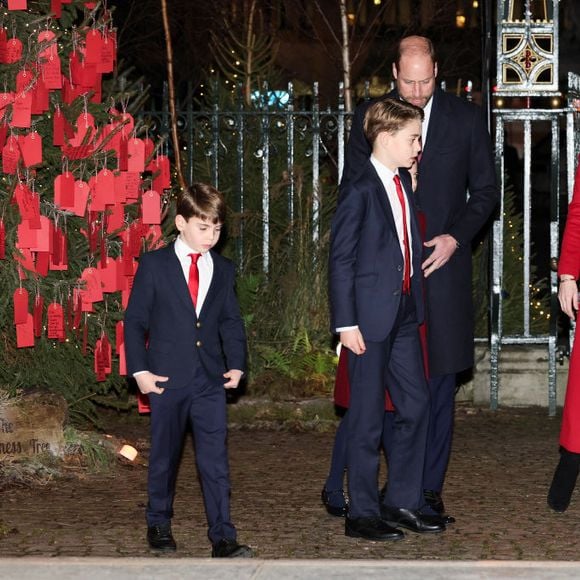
(457, 192)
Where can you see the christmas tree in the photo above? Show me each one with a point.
(82, 194)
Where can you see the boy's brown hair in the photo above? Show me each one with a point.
(202, 201)
(389, 115)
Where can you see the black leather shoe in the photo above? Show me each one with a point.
(160, 538)
(333, 507)
(564, 481)
(412, 520)
(374, 528)
(229, 548)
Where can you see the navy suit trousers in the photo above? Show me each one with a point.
(396, 362)
(201, 405)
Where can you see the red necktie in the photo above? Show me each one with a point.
(407, 267)
(193, 281)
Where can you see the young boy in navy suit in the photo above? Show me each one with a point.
(185, 343)
(376, 307)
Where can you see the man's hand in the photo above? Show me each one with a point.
(235, 376)
(568, 297)
(353, 340)
(444, 247)
(146, 382)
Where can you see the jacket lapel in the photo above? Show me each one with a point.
(176, 279)
(381, 194)
(216, 281)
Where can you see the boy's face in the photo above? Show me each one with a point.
(200, 235)
(400, 149)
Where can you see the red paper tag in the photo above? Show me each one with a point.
(143, 403)
(93, 291)
(123, 154)
(17, 5)
(37, 315)
(20, 300)
(115, 218)
(108, 53)
(52, 72)
(136, 153)
(24, 78)
(58, 128)
(13, 51)
(2, 240)
(104, 192)
(10, 156)
(25, 333)
(64, 190)
(94, 46)
(151, 207)
(31, 148)
(119, 335)
(22, 110)
(108, 274)
(162, 179)
(132, 184)
(56, 8)
(81, 194)
(39, 97)
(55, 321)
(42, 263)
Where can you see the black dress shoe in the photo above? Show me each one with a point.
(229, 548)
(335, 502)
(160, 538)
(373, 528)
(412, 520)
(564, 481)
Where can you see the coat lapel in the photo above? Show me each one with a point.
(382, 197)
(176, 279)
(216, 281)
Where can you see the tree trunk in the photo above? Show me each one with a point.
(175, 139)
(345, 56)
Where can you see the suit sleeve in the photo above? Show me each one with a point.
(137, 317)
(358, 149)
(231, 327)
(345, 233)
(481, 182)
(569, 262)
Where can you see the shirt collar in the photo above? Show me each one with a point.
(384, 172)
(183, 250)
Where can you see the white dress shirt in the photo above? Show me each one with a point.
(204, 265)
(425, 123)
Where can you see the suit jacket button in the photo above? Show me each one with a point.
(198, 343)
(399, 268)
(198, 324)
(396, 292)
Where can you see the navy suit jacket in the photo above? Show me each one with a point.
(366, 262)
(163, 335)
(457, 158)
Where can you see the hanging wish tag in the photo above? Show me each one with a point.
(20, 300)
(25, 333)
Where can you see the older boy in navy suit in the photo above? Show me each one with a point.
(185, 342)
(376, 307)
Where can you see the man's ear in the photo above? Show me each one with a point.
(435, 70)
(395, 70)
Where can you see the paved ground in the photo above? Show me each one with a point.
(496, 488)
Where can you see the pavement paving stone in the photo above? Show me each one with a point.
(501, 467)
